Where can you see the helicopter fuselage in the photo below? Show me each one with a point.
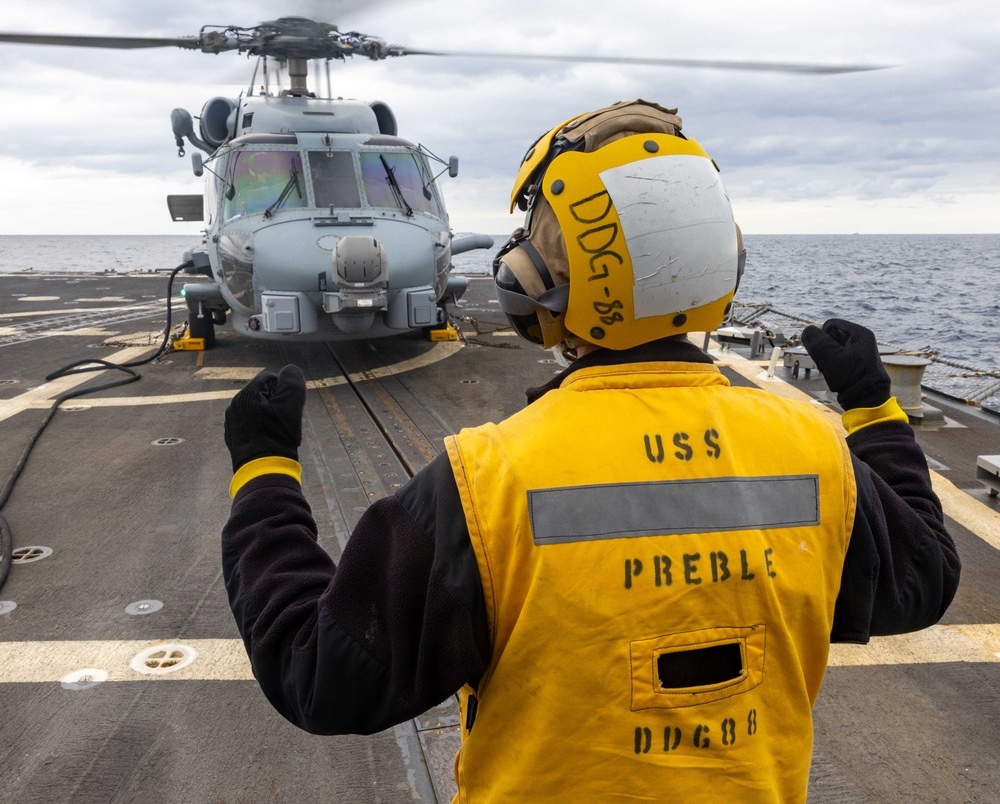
(321, 224)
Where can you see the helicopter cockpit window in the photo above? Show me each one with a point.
(264, 180)
(398, 180)
(335, 183)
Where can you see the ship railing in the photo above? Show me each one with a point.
(973, 385)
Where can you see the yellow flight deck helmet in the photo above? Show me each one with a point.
(628, 235)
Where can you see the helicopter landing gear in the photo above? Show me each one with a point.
(202, 327)
(443, 330)
(206, 308)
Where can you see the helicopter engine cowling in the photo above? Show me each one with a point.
(218, 120)
(385, 117)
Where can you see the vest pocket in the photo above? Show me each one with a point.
(700, 667)
(696, 667)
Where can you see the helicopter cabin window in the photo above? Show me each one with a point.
(262, 181)
(335, 183)
(398, 180)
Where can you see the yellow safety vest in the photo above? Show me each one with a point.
(660, 557)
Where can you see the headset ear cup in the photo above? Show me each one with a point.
(741, 260)
(521, 289)
(518, 307)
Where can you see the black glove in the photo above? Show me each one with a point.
(847, 355)
(265, 417)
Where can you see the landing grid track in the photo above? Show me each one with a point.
(387, 435)
(381, 436)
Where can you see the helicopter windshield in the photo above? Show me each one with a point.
(415, 188)
(335, 183)
(259, 179)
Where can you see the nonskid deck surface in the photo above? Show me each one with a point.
(122, 677)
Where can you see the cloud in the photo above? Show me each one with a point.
(874, 145)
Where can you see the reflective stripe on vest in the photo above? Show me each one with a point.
(623, 510)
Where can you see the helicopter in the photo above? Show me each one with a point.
(321, 222)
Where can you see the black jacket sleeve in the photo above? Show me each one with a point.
(901, 570)
(394, 630)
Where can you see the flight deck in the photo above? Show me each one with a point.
(122, 675)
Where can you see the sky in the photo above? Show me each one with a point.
(86, 145)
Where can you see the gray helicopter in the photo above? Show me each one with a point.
(321, 222)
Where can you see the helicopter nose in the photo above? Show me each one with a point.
(370, 277)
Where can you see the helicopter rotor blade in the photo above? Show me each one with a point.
(115, 42)
(302, 38)
(713, 64)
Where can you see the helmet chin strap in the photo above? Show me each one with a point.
(570, 349)
(560, 356)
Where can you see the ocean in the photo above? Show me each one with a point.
(920, 292)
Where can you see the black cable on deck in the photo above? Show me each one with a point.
(79, 367)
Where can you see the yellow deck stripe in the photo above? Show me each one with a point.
(43, 395)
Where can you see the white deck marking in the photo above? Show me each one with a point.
(32, 662)
(978, 517)
(82, 332)
(106, 300)
(166, 399)
(76, 310)
(226, 659)
(934, 645)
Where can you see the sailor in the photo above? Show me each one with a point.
(634, 581)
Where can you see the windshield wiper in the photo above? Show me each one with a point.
(397, 191)
(291, 184)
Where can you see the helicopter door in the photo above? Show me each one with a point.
(334, 180)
